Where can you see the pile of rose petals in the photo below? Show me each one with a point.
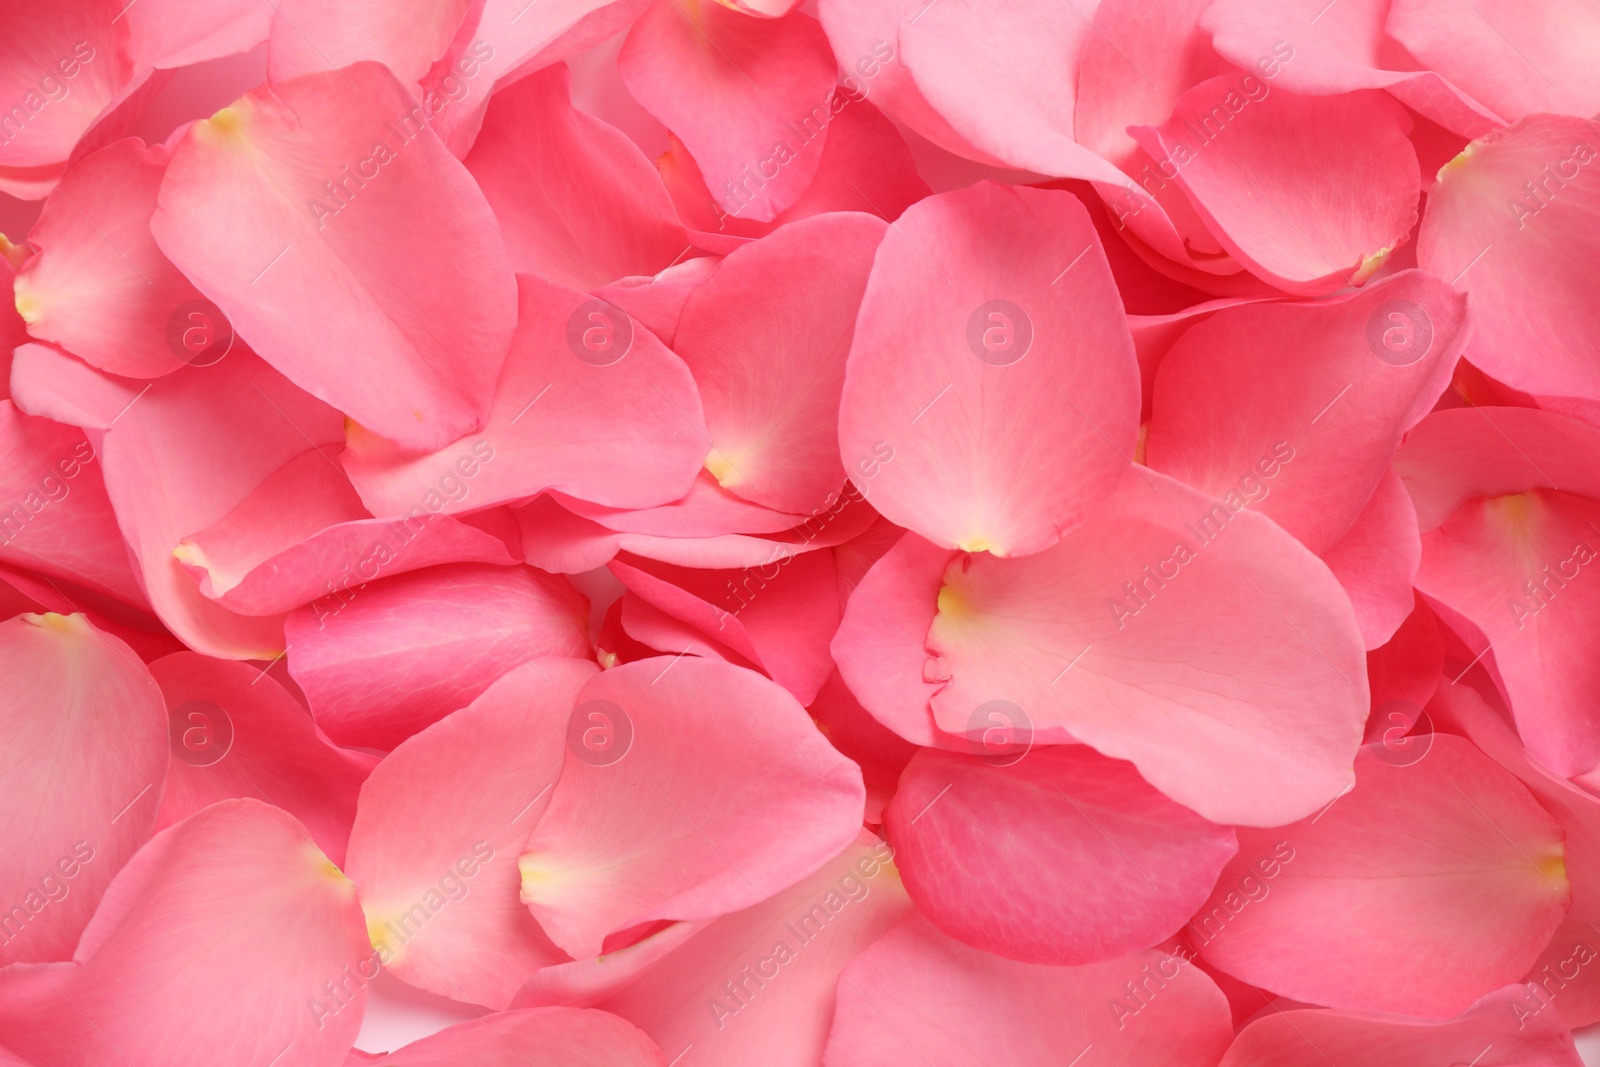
(861, 533)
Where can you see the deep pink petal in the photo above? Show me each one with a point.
(1062, 857)
(380, 661)
(577, 202)
(745, 94)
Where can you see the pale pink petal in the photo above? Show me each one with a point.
(99, 287)
(881, 643)
(380, 661)
(746, 95)
(1000, 298)
(657, 302)
(1199, 642)
(1505, 218)
(308, 36)
(59, 520)
(879, 752)
(229, 938)
(1062, 856)
(1490, 1030)
(235, 733)
(572, 1037)
(299, 210)
(84, 739)
(577, 202)
(1449, 869)
(170, 33)
(1516, 56)
(758, 986)
(1304, 47)
(682, 824)
(919, 999)
(791, 296)
(1295, 409)
(440, 825)
(589, 403)
(1559, 976)
(1305, 230)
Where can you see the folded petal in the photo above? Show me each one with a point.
(577, 202)
(793, 297)
(1502, 221)
(572, 1037)
(918, 997)
(1305, 230)
(229, 938)
(235, 733)
(99, 287)
(84, 739)
(758, 985)
(303, 535)
(1062, 857)
(1295, 409)
(440, 825)
(779, 617)
(1001, 298)
(297, 209)
(382, 660)
(646, 826)
(590, 404)
(1447, 876)
(747, 95)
